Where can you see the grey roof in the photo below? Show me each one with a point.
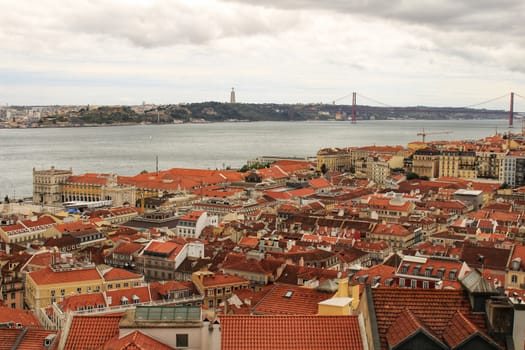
(475, 283)
(168, 313)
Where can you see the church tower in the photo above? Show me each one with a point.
(232, 96)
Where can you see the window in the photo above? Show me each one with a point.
(110, 286)
(13, 295)
(62, 292)
(413, 283)
(52, 292)
(426, 284)
(79, 290)
(126, 285)
(117, 285)
(401, 282)
(211, 292)
(181, 341)
(514, 279)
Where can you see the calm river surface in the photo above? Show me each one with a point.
(127, 150)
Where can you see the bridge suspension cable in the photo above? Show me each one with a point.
(375, 101)
(486, 101)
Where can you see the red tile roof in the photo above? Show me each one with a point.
(459, 330)
(168, 248)
(219, 279)
(119, 274)
(24, 317)
(32, 339)
(406, 325)
(74, 226)
(76, 302)
(91, 332)
(290, 300)
(135, 340)
(128, 248)
(290, 332)
(434, 308)
(48, 276)
(116, 297)
(320, 182)
(250, 242)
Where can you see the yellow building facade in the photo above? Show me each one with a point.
(44, 287)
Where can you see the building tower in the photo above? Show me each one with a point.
(232, 96)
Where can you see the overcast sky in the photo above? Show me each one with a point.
(398, 52)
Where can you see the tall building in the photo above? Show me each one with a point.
(48, 185)
(426, 162)
(232, 96)
(512, 169)
(455, 163)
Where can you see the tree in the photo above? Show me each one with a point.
(412, 176)
(324, 168)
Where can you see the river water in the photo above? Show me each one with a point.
(127, 150)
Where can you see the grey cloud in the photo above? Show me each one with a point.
(470, 29)
(455, 13)
(166, 23)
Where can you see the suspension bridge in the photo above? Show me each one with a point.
(510, 96)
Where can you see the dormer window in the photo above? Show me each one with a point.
(441, 272)
(405, 268)
(415, 272)
(136, 299)
(452, 274)
(124, 300)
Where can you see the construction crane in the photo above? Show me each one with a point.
(423, 134)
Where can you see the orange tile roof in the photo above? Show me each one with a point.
(74, 226)
(169, 248)
(118, 295)
(24, 317)
(193, 215)
(251, 242)
(135, 340)
(434, 308)
(320, 182)
(406, 326)
(48, 276)
(32, 339)
(290, 332)
(119, 274)
(391, 230)
(74, 302)
(128, 248)
(290, 300)
(302, 192)
(91, 332)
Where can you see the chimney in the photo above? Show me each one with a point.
(342, 288)
(355, 296)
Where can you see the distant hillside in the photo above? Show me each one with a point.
(218, 112)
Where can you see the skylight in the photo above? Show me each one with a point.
(288, 294)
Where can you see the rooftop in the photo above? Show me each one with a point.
(290, 332)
